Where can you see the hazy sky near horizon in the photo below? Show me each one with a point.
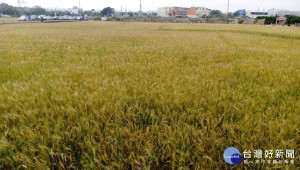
(133, 5)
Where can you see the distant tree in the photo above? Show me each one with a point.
(236, 13)
(295, 20)
(94, 13)
(59, 13)
(154, 14)
(8, 9)
(216, 14)
(204, 16)
(108, 11)
(37, 10)
(230, 15)
(268, 20)
(89, 13)
(130, 14)
(292, 20)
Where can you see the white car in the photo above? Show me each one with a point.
(48, 18)
(33, 18)
(42, 17)
(23, 18)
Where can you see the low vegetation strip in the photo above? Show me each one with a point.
(284, 36)
(111, 95)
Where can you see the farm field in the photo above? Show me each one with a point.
(113, 95)
(10, 19)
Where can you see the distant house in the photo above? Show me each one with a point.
(177, 11)
(193, 12)
(162, 12)
(75, 10)
(196, 12)
(280, 20)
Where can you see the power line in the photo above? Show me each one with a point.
(19, 3)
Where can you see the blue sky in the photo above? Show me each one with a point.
(133, 5)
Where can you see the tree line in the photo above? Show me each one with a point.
(272, 19)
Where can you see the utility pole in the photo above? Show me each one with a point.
(228, 10)
(79, 8)
(21, 3)
(141, 6)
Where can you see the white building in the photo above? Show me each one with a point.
(75, 10)
(254, 14)
(162, 12)
(272, 12)
(282, 12)
(196, 12)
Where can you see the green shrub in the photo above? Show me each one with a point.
(292, 20)
(268, 20)
(97, 18)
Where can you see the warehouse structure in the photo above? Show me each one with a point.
(193, 12)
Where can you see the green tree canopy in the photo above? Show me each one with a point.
(107, 11)
(236, 13)
(38, 10)
(293, 20)
(216, 14)
(130, 14)
(8, 9)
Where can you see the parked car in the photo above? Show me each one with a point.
(34, 18)
(23, 18)
(66, 17)
(42, 17)
(5, 16)
(48, 18)
(61, 18)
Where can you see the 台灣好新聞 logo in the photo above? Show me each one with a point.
(232, 156)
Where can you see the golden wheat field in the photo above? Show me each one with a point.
(113, 95)
(10, 19)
